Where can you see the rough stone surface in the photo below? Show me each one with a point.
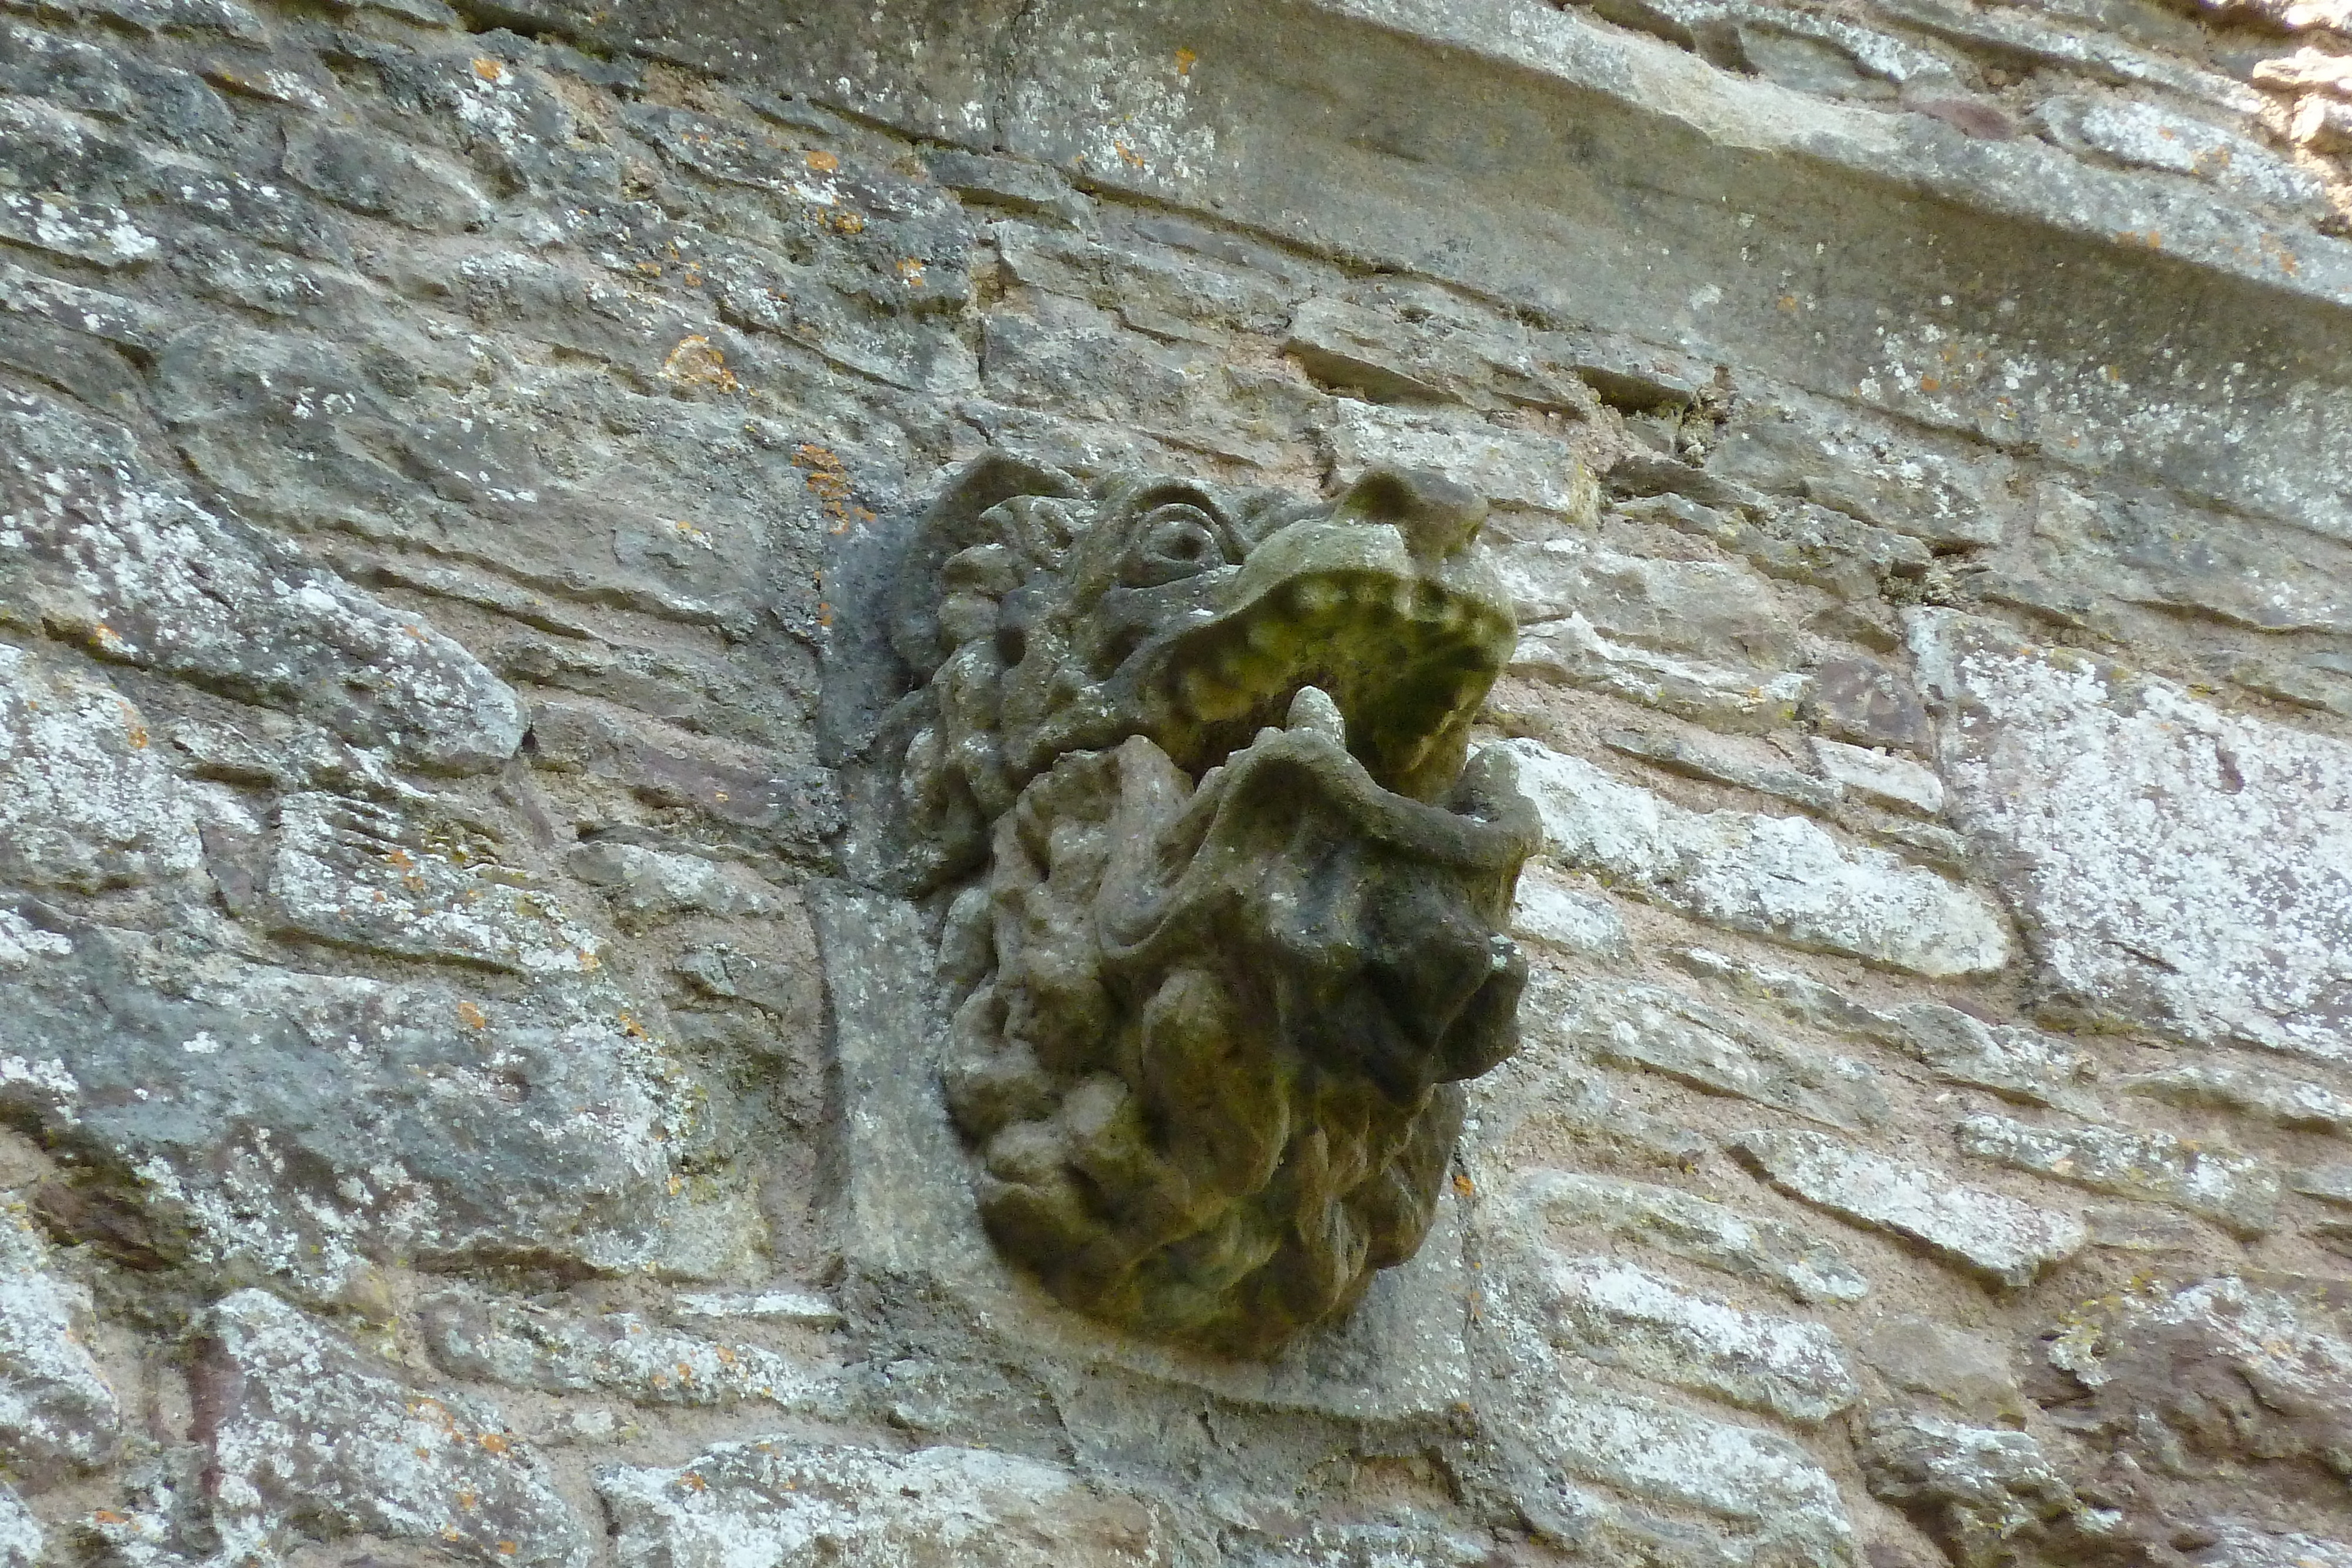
(57, 1410)
(1692, 1228)
(1966, 1370)
(1623, 1316)
(309, 1436)
(1985, 1493)
(2181, 919)
(120, 557)
(1775, 876)
(454, 464)
(1665, 1031)
(1989, 1232)
(21, 1536)
(620, 1353)
(2240, 1192)
(780, 1502)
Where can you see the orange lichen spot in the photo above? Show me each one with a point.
(496, 1443)
(1185, 60)
(698, 362)
(726, 1356)
(910, 272)
(107, 1516)
(693, 1482)
(1787, 302)
(105, 636)
(467, 1502)
(1463, 1186)
(472, 1017)
(489, 70)
(823, 161)
(631, 1027)
(506, 1549)
(677, 1185)
(1128, 155)
(649, 270)
(847, 222)
(399, 857)
(1929, 383)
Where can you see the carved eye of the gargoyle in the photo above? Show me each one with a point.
(1173, 542)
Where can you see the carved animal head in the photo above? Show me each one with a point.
(1239, 935)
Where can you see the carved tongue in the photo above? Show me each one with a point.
(1313, 709)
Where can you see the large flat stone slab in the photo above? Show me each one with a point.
(2146, 828)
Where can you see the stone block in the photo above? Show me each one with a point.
(360, 875)
(116, 554)
(2238, 1191)
(1865, 702)
(1894, 781)
(2165, 1365)
(2013, 1061)
(1695, 1228)
(1694, 759)
(2154, 136)
(1781, 877)
(480, 1338)
(1864, 467)
(1508, 468)
(1548, 911)
(782, 1500)
(647, 884)
(385, 179)
(79, 231)
(85, 801)
(310, 1436)
(1612, 1312)
(1984, 1493)
(1988, 1233)
(1665, 1031)
(1721, 697)
(269, 1123)
(1966, 1370)
(21, 1536)
(2145, 827)
(1703, 607)
(1781, 1506)
(58, 1413)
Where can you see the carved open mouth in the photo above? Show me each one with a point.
(1406, 653)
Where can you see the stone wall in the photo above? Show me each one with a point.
(446, 462)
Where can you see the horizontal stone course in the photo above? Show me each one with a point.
(1990, 1234)
(1775, 876)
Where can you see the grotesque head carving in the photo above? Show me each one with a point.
(1238, 937)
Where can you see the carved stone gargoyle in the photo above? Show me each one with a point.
(1239, 935)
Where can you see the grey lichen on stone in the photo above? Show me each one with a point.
(1242, 924)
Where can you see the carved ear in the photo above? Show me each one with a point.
(953, 523)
